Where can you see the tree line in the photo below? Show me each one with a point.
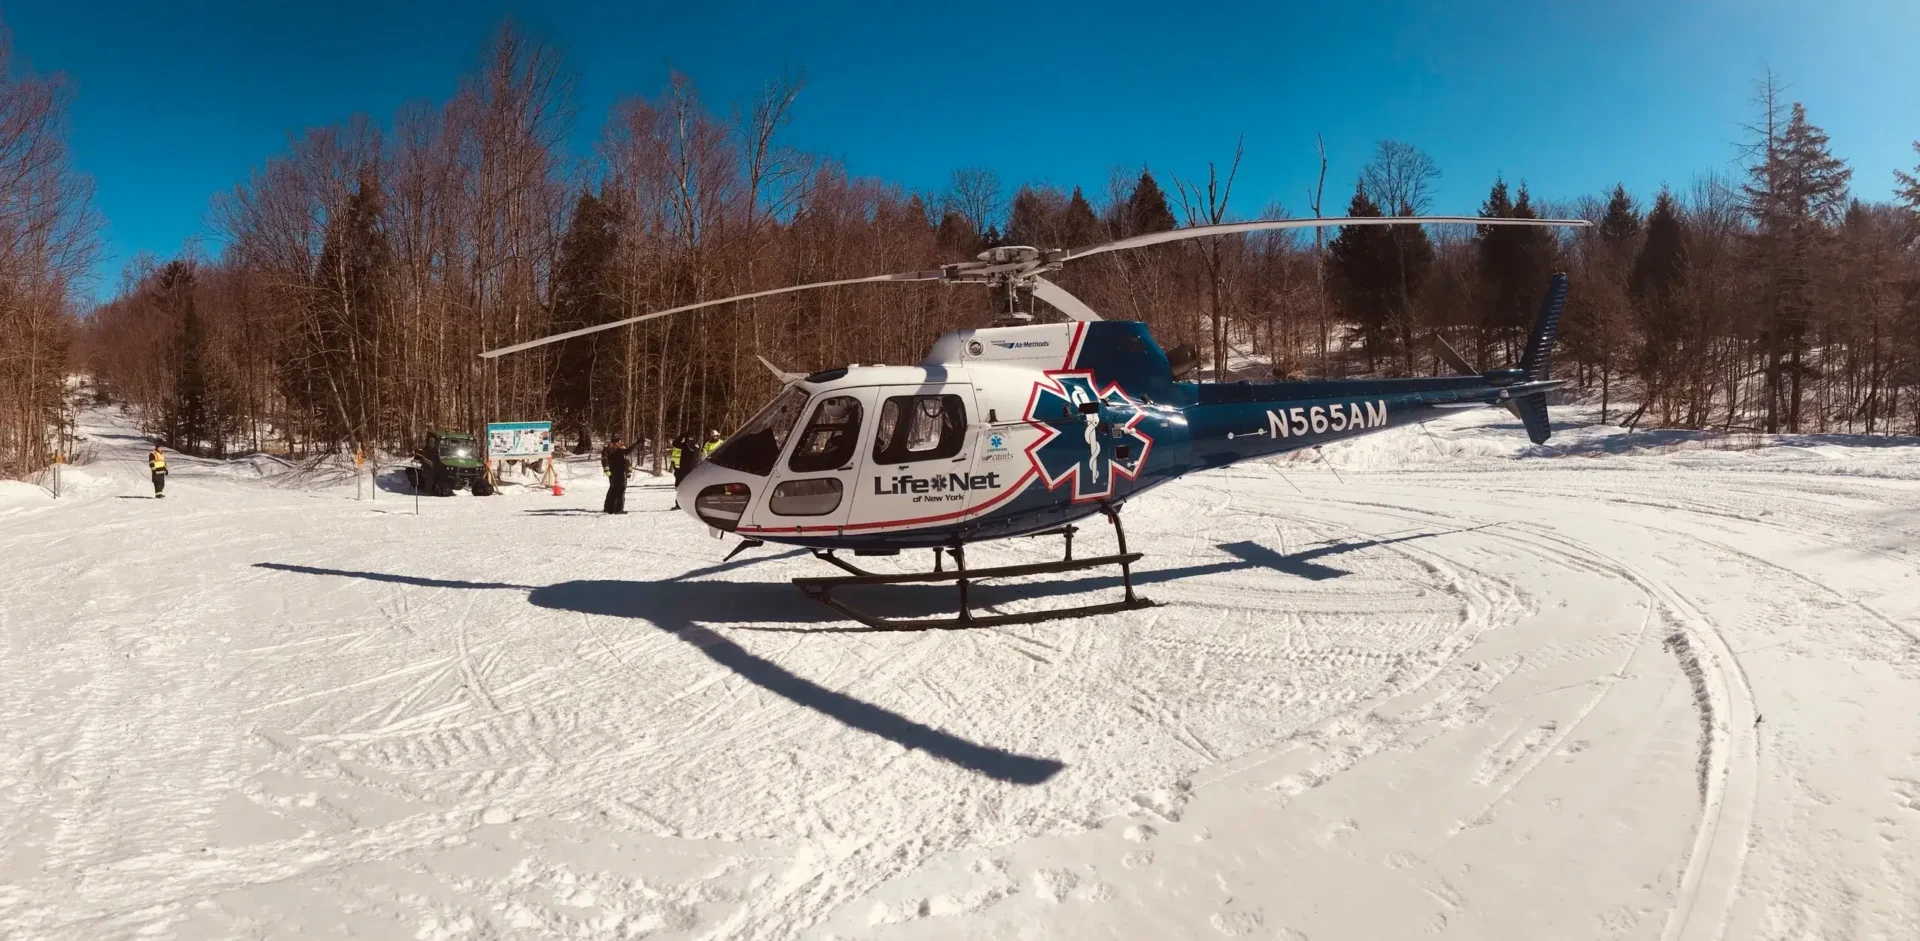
(362, 271)
(47, 242)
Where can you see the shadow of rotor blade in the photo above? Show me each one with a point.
(625, 599)
(414, 580)
(995, 763)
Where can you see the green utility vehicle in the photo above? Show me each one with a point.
(449, 461)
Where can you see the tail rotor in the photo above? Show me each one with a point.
(1527, 398)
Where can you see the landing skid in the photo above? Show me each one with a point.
(821, 589)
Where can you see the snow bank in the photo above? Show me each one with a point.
(20, 495)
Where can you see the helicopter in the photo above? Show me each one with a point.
(1022, 429)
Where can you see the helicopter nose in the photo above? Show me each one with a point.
(700, 476)
(715, 496)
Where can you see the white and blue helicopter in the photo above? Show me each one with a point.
(1023, 428)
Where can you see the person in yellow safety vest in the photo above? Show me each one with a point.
(157, 463)
(713, 441)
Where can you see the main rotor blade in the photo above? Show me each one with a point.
(786, 378)
(932, 275)
(1229, 228)
(1452, 357)
(1073, 307)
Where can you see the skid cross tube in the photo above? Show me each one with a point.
(821, 588)
(1066, 531)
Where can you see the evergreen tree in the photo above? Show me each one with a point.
(1408, 262)
(1657, 276)
(1658, 270)
(1496, 260)
(917, 209)
(1147, 209)
(956, 236)
(1600, 315)
(1078, 225)
(1360, 266)
(1909, 189)
(186, 420)
(1538, 249)
(582, 297)
(1794, 193)
(1514, 263)
(1032, 218)
(1621, 223)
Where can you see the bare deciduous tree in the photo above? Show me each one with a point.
(47, 240)
(1400, 178)
(976, 195)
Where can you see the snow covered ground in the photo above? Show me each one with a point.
(1660, 686)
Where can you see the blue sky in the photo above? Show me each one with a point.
(178, 101)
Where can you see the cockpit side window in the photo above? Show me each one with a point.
(830, 438)
(757, 446)
(919, 428)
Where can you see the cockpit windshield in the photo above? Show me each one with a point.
(456, 449)
(757, 446)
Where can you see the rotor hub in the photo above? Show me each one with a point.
(1009, 255)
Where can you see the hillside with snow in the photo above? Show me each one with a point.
(1436, 682)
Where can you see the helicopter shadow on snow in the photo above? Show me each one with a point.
(691, 608)
(684, 608)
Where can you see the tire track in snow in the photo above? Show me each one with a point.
(1718, 872)
(1729, 758)
(1357, 733)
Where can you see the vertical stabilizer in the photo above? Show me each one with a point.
(1538, 361)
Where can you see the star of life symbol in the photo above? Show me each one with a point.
(996, 441)
(1083, 454)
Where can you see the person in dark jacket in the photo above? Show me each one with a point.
(686, 456)
(615, 461)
